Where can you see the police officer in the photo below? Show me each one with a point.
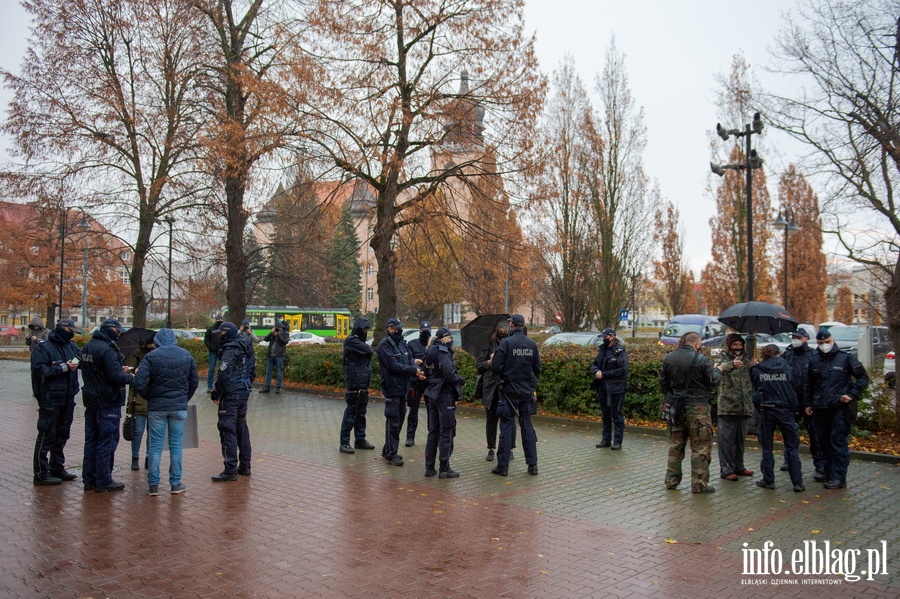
(798, 355)
(103, 395)
(396, 365)
(835, 381)
(443, 391)
(357, 375)
(610, 372)
(518, 363)
(54, 381)
(417, 386)
(237, 369)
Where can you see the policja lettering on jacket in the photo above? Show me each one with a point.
(519, 351)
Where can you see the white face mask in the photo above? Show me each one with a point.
(797, 342)
(825, 347)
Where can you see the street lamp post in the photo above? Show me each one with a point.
(62, 261)
(789, 226)
(170, 220)
(85, 226)
(752, 161)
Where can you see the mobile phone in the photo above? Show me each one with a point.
(74, 361)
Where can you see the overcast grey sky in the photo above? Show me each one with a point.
(673, 53)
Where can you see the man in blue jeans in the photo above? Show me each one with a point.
(103, 394)
(213, 343)
(277, 339)
(167, 378)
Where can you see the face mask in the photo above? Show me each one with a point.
(825, 347)
(362, 334)
(797, 342)
(737, 352)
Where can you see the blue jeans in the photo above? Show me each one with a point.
(276, 362)
(140, 423)
(159, 421)
(508, 409)
(101, 437)
(211, 376)
(783, 419)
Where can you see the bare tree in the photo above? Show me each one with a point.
(848, 55)
(673, 279)
(107, 103)
(392, 104)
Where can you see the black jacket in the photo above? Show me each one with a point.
(490, 382)
(357, 361)
(612, 361)
(442, 376)
(417, 348)
(237, 369)
(518, 362)
(772, 385)
(799, 358)
(687, 371)
(396, 365)
(101, 370)
(277, 341)
(52, 383)
(212, 341)
(832, 375)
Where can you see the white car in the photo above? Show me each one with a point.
(304, 338)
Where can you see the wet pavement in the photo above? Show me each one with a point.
(313, 522)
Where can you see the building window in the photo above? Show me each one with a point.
(123, 275)
(370, 294)
(125, 256)
(370, 270)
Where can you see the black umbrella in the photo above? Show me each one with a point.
(476, 336)
(758, 317)
(132, 339)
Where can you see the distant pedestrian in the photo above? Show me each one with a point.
(54, 382)
(136, 406)
(167, 378)
(212, 343)
(735, 408)
(517, 362)
(396, 365)
(490, 391)
(105, 377)
(689, 375)
(276, 350)
(237, 369)
(776, 401)
(416, 385)
(357, 376)
(247, 331)
(610, 381)
(443, 391)
(836, 381)
(36, 333)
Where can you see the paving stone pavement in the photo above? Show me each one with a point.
(312, 522)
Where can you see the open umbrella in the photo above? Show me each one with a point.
(758, 317)
(133, 338)
(476, 335)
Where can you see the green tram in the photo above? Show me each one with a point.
(325, 322)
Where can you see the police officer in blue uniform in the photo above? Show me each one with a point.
(518, 362)
(833, 386)
(443, 391)
(416, 385)
(357, 375)
(396, 365)
(609, 371)
(237, 369)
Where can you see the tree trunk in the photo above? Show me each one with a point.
(892, 299)
(235, 259)
(139, 301)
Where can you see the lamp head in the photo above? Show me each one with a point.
(757, 123)
(722, 131)
(754, 160)
(717, 169)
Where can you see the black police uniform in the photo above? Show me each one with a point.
(518, 362)
(417, 387)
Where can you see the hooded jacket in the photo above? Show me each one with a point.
(772, 386)
(167, 377)
(52, 383)
(101, 370)
(36, 329)
(358, 357)
(736, 389)
(612, 361)
(237, 368)
(690, 373)
(213, 341)
(833, 375)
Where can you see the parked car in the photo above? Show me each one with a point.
(552, 330)
(584, 339)
(185, 335)
(304, 338)
(717, 344)
(707, 326)
(8, 334)
(847, 338)
(890, 374)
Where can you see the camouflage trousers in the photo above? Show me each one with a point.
(696, 427)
